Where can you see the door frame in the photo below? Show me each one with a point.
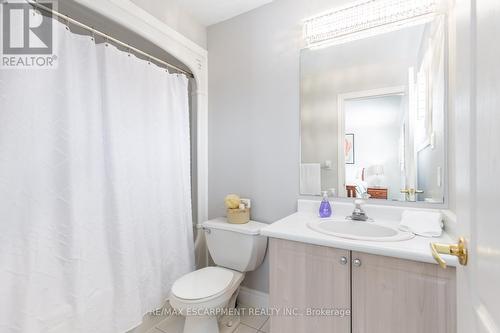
(341, 99)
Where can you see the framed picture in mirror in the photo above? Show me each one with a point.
(349, 148)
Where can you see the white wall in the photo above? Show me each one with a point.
(171, 13)
(376, 128)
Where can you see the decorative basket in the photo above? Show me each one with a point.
(238, 216)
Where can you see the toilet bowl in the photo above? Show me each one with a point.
(203, 295)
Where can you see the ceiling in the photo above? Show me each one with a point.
(209, 12)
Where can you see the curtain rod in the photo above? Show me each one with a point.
(107, 37)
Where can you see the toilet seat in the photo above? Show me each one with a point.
(204, 283)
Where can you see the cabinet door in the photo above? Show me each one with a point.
(394, 296)
(304, 276)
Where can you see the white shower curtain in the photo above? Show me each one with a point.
(95, 208)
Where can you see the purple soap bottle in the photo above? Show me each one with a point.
(325, 210)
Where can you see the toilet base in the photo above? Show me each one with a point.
(202, 315)
(212, 324)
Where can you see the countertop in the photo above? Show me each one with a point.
(294, 228)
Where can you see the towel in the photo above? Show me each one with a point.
(310, 178)
(422, 223)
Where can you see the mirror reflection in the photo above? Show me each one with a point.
(373, 116)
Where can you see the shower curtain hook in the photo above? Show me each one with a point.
(93, 35)
(67, 22)
(106, 41)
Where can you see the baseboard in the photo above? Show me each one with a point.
(253, 298)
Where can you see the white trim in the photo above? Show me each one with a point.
(387, 91)
(450, 223)
(424, 144)
(341, 183)
(127, 14)
(253, 298)
(341, 98)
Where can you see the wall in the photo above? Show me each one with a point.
(254, 111)
(170, 13)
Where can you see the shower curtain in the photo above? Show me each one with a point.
(95, 208)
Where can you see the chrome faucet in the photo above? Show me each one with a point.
(358, 214)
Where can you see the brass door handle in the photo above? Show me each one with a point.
(459, 250)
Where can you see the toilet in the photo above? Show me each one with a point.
(200, 296)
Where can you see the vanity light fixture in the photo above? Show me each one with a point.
(366, 18)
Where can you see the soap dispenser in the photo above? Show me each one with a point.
(325, 210)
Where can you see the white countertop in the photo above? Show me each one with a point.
(294, 228)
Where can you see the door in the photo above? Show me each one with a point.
(477, 160)
(304, 280)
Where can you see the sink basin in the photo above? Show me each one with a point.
(369, 231)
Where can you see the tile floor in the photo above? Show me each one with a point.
(246, 323)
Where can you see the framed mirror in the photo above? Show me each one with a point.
(373, 115)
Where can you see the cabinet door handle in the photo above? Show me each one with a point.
(356, 262)
(343, 260)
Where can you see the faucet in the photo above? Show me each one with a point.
(358, 214)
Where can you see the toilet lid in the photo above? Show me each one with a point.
(251, 228)
(202, 283)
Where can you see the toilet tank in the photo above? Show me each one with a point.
(235, 246)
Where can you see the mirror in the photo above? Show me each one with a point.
(373, 116)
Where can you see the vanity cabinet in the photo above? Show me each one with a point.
(305, 276)
(385, 295)
(396, 295)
